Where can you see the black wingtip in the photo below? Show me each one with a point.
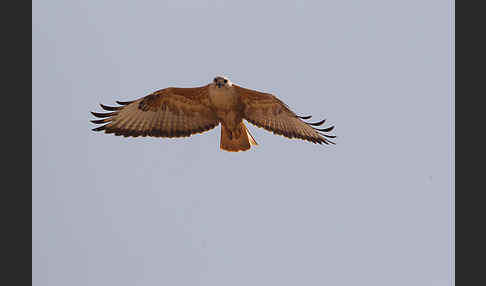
(317, 123)
(325, 129)
(103, 115)
(100, 121)
(101, 128)
(305, 117)
(124, 102)
(328, 136)
(109, 108)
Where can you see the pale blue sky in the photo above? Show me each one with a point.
(375, 209)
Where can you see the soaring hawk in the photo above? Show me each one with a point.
(181, 112)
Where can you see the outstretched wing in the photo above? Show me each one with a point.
(267, 111)
(169, 112)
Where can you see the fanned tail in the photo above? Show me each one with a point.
(237, 140)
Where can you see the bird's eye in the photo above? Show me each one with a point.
(225, 81)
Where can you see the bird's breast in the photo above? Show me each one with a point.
(222, 99)
(226, 106)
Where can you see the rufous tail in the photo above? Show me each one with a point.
(238, 140)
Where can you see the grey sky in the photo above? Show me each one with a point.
(375, 209)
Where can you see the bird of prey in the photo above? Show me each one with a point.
(181, 112)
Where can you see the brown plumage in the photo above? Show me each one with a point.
(181, 112)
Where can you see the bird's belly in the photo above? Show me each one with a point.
(226, 108)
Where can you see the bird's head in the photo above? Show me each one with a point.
(221, 82)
